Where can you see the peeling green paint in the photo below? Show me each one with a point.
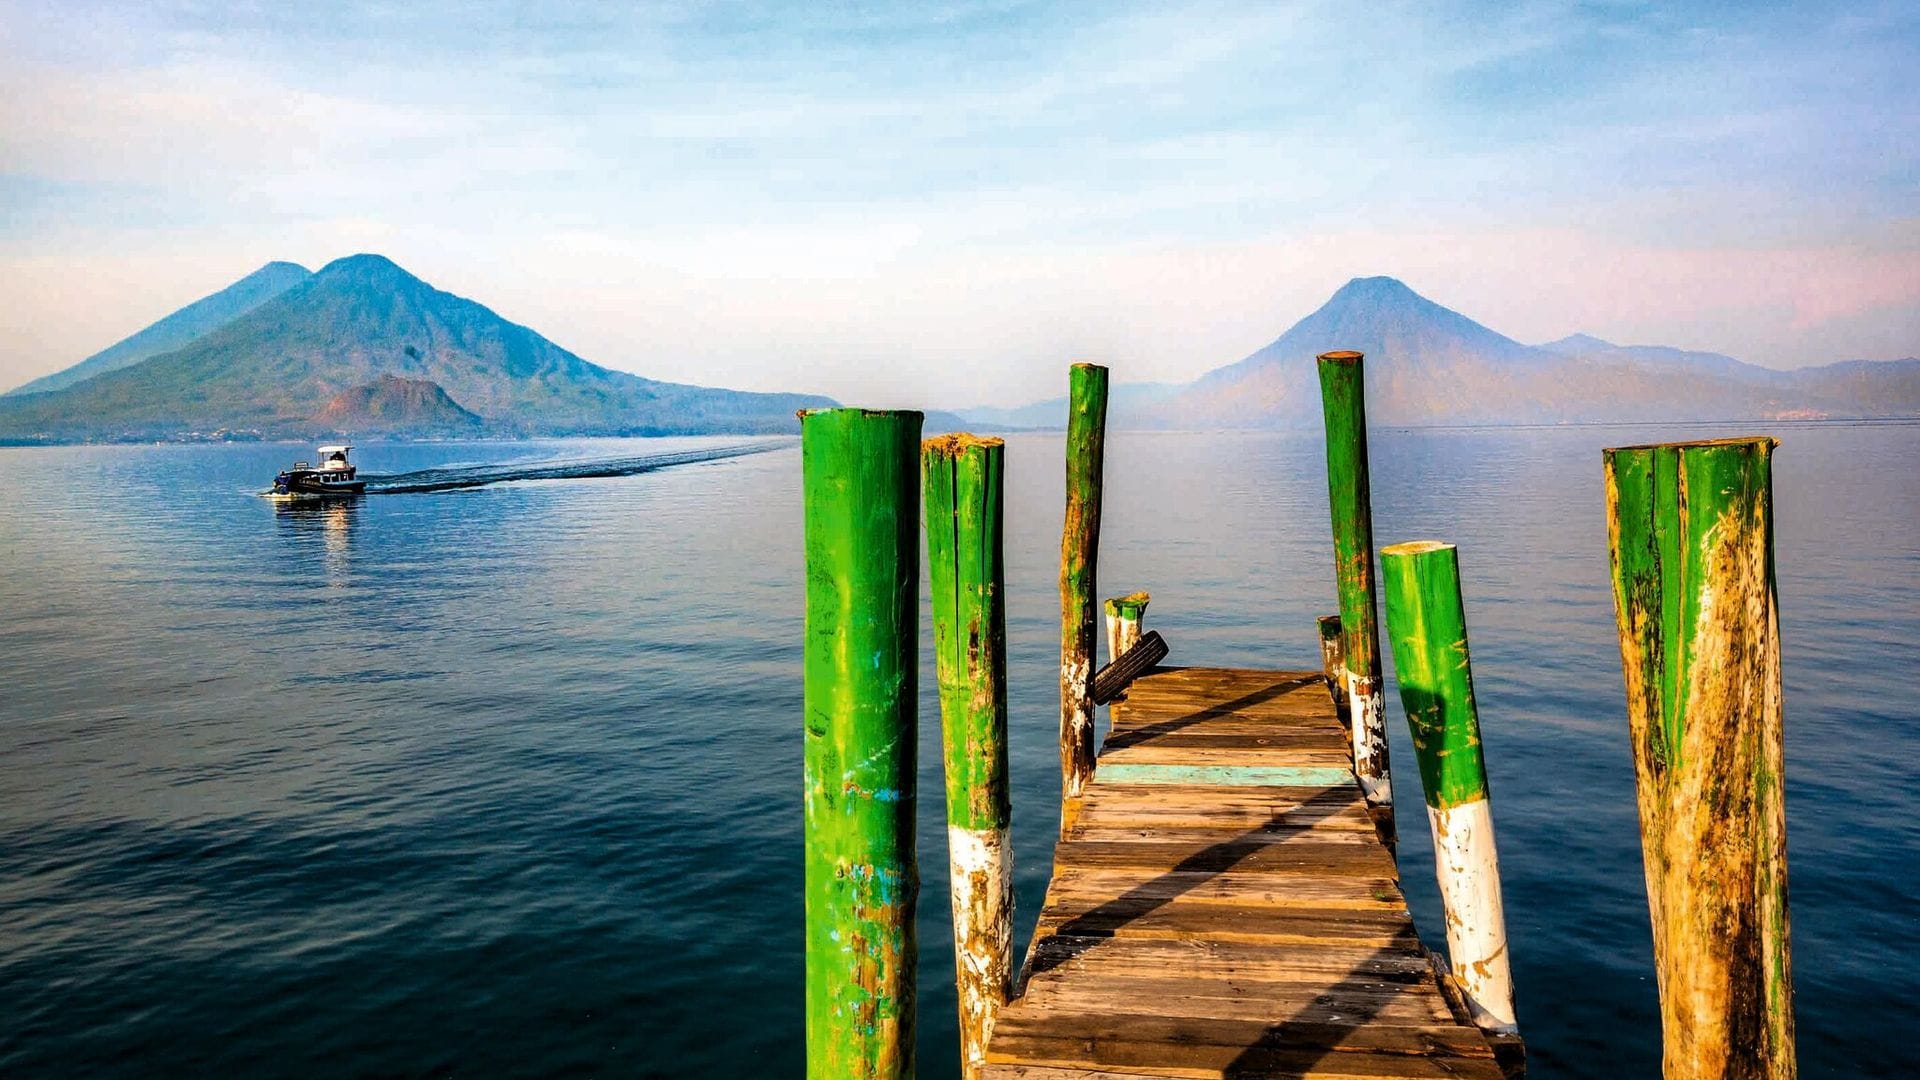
(967, 577)
(861, 498)
(1344, 406)
(1131, 606)
(1079, 554)
(1343, 400)
(1427, 627)
(1690, 528)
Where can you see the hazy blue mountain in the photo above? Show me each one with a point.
(1429, 365)
(195, 320)
(1428, 361)
(1586, 346)
(276, 367)
(1577, 345)
(1124, 401)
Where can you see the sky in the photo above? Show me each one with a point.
(941, 205)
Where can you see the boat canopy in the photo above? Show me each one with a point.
(327, 451)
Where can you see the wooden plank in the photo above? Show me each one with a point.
(1224, 813)
(1211, 669)
(1215, 737)
(1250, 855)
(1222, 682)
(1242, 818)
(1106, 957)
(1191, 829)
(1216, 732)
(1201, 1047)
(1222, 799)
(1156, 918)
(1345, 793)
(1251, 775)
(1048, 1072)
(1273, 698)
(1351, 1002)
(1073, 885)
(1331, 760)
(1300, 708)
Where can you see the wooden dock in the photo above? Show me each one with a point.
(1222, 905)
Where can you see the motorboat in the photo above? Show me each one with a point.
(333, 476)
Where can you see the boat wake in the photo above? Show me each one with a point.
(455, 477)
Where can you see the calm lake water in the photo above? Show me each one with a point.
(505, 780)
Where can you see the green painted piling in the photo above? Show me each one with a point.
(1079, 551)
(1427, 626)
(861, 499)
(967, 578)
(1690, 527)
(1343, 401)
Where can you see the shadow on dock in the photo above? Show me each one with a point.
(1135, 736)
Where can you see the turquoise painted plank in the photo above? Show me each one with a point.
(1248, 775)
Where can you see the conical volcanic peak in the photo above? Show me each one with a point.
(1399, 331)
(1376, 292)
(280, 365)
(373, 271)
(1382, 317)
(1429, 365)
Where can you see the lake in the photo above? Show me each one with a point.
(504, 779)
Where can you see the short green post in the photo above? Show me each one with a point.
(861, 486)
(1079, 550)
(1126, 615)
(1427, 625)
(1691, 535)
(967, 577)
(1343, 400)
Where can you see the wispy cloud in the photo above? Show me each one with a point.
(950, 200)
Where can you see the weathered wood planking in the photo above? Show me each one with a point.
(1222, 906)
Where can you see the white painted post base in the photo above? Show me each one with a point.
(1076, 720)
(1122, 634)
(1468, 869)
(1369, 714)
(982, 889)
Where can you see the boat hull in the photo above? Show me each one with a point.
(336, 491)
(311, 485)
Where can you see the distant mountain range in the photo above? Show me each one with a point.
(1428, 365)
(314, 357)
(364, 348)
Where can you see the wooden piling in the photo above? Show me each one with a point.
(1691, 531)
(861, 497)
(1333, 662)
(1079, 551)
(1125, 615)
(1343, 400)
(1427, 627)
(966, 572)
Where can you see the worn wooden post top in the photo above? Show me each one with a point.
(1223, 907)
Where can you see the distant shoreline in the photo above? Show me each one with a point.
(1797, 422)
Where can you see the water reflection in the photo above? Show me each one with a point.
(332, 520)
(254, 821)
